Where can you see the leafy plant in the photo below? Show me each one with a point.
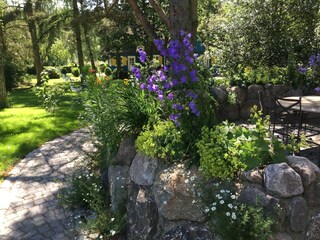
(51, 95)
(230, 219)
(75, 72)
(115, 108)
(87, 191)
(228, 148)
(162, 140)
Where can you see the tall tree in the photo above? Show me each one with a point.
(182, 15)
(77, 31)
(31, 20)
(3, 93)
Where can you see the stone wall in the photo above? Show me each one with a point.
(247, 97)
(162, 203)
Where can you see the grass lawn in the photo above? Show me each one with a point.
(26, 125)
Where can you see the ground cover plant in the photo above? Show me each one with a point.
(26, 125)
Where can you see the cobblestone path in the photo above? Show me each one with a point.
(29, 204)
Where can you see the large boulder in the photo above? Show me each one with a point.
(254, 197)
(282, 180)
(245, 111)
(127, 151)
(231, 111)
(253, 91)
(312, 194)
(299, 216)
(307, 170)
(117, 178)
(219, 94)
(142, 213)
(142, 170)
(175, 194)
(190, 231)
(313, 230)
(281, 236)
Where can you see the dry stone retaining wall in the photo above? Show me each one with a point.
(162, 203)
(247, 97)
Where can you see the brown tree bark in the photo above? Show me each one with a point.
(34, 39)
(3, 92)
(77, 32)
(183, 16)
(148, 28)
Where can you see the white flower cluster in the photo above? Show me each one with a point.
(225, 203)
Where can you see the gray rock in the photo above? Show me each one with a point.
(305, 168)
(142, 170)
(253, 91)
(126, 152)
(232, 111)
(312, 194)
(219, 94)
(245, 111)
(142, 213)
(281, 236)
(191, 231)
(282, 180)
(254, 197)
(241, 94)
(117, 178)
(299, 217)
(313, 230)
(253, 176)
(175, 195)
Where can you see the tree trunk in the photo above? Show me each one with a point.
(87, 40)
(183, 17)
(77, 32)
(3, 92)
(34, 39)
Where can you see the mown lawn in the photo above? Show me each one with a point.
(25, 126)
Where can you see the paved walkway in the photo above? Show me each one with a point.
(29, 205)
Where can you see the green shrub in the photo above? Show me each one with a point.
(87, 192)
(52, 72)
(107, 71)
(228, 148)
(75, 72)
(64, 70)
(12, 74)
(115, 108)
(51, 95)
(230, 219)
(163, 140)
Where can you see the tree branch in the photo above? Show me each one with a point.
(142, 19)
(161, 13)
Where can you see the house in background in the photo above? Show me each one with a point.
(130, 57)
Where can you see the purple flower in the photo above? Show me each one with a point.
(189, 59)
(183, 79)
(170, 96)
(143, 86)
(166, 68)
(160, 95)
(193, 107)
(317, 89)
(174, 82)
(193, 75)
(143, 55)
(136, 72)
(302, 70)
(192, 94)
(178, 106)
(166, 85)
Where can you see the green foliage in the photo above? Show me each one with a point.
(12, 73)
(51, 95)
(228, 148)
(107, 71)
(52, 72)
(162, 140)
(87, 192)
(26, 125)
(115, 108)
(230, 219)
(75, 71)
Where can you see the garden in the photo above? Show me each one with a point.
(174, 159)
